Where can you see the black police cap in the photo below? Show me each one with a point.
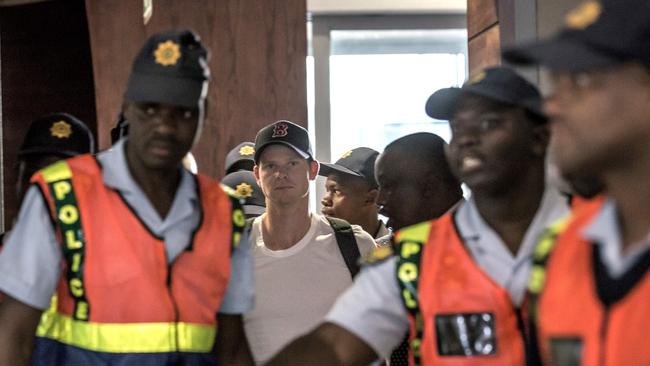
(58, 134)
(359, 162)
(596, 34)
(284, 133)
(171, 68)
(244, 184)
(240, 157)
(498, 84)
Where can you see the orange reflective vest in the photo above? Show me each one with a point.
(118, 298)
(582, 316)
(458, 315)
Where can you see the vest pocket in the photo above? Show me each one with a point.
(466, 334)
(566, 351)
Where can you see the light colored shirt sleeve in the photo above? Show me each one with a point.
(30, 261)
(240, 293)
(372, 308)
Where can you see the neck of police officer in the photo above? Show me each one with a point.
(510, 209)
(159, 184)
(627, 184)
(283, 224)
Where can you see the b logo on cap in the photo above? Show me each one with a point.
(280, 130)
(246, 150)
(167, 53)
(61, 129)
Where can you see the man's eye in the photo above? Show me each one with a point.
(188, 114)
(487, 124)
(150, 111)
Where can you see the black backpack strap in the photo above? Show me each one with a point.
(347, 243)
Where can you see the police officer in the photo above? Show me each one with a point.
(240, 157)
(460, 278)
(243, 183)
(144, 258)
(351, 190)
(415, 181)
(51, 138)
(600, 114)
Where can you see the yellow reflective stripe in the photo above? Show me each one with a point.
(127, 337)
(418, 233)
(57, 171)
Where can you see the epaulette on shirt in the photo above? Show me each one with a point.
(377, 255)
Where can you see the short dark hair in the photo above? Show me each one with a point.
(430, 149)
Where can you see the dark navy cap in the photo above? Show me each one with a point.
(284, 133)
(171, 68)
(58, 134)
(241, 157)
(359, 162)
(244, 184)
(596, 34)
(499, 84)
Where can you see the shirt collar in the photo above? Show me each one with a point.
(604, 226)
(474, 230)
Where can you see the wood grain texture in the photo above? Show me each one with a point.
(484, 50)
(481, 15)
(46, 68)
(258, 51)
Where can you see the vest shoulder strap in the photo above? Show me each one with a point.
(238, 219)
(58, 178)
(347, 243)
(410, 242)
(542, 252)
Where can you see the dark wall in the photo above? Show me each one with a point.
(45, 68)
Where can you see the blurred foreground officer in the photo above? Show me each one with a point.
(244, 184)
(300, 258)
(460, 278)
(351, 190)
(595, 283)
(144, 256)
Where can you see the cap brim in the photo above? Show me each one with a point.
(253, 210)
(560, 53)
(260, 149)
(442, 104)
(62, 153)
(327, 169)
(183, 92)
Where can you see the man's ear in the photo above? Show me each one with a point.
(256, 172)
(313, 169)
(371, 196)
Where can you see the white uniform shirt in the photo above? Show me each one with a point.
(605, 233)
(373, 310)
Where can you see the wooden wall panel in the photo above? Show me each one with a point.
(258, 51)
(484, 50)
(46, 68)
(481, 15)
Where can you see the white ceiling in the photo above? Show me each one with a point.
(386, 6)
